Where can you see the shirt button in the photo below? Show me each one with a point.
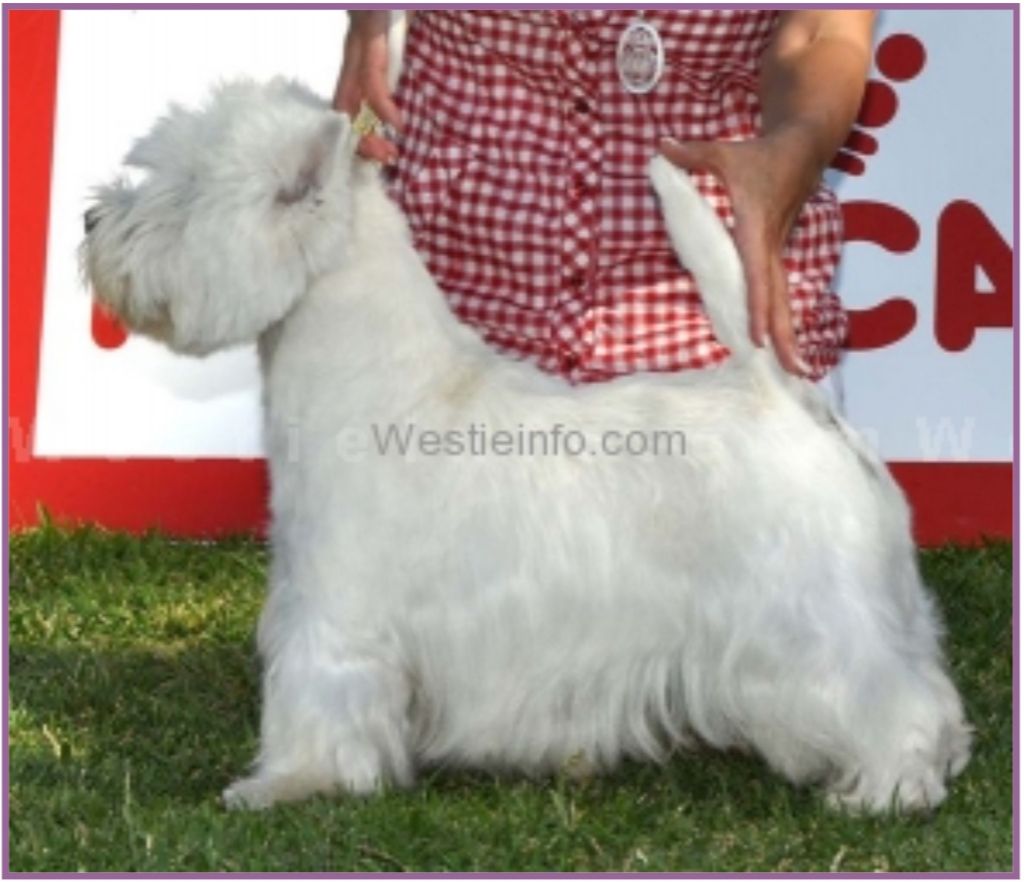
(582, 106)
(576, 280)
(580, 187)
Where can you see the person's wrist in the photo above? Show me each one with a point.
(369, 22)
(799, 145)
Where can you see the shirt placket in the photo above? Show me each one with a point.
(582, 134)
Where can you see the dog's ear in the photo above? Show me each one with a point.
(319, 160)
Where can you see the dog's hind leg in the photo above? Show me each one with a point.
(911, 738)
(335, 716)
(880, 729)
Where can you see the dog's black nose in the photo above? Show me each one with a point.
(91, 218)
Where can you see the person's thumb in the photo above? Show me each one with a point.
(696, 156)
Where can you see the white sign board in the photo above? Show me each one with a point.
(949, 142)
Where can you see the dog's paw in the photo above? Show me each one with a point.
(247, 794)
(256, 793)
(261, 791)
(957, 748)
(918, 786)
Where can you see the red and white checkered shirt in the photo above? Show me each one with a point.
(523, 175)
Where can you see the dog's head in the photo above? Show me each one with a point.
(240, 206)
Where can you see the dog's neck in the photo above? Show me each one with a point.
(390, 318)
(406, 295)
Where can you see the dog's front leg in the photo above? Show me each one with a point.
(335, 712)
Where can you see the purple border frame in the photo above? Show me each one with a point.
(962, 6)
(1015, 10)
(5, 479)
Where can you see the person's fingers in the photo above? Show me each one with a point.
(756, 258)
(375, 144)
(378, 148)
(379, 97)
(781, 326)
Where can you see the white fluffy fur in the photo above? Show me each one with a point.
(760, 592)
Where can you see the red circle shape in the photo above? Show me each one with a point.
(900, 57)
(879, 105)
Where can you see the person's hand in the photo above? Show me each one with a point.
(364, 78)
(768, 180)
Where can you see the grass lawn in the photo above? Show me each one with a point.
(133, 696)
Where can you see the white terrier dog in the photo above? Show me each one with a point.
(522, 612)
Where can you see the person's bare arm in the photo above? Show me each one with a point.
(811, 85)
(813, 76)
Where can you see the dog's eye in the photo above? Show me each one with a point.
(298, 190)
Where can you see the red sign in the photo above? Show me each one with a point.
(952, 501)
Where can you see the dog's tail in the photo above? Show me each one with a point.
(706, 249)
